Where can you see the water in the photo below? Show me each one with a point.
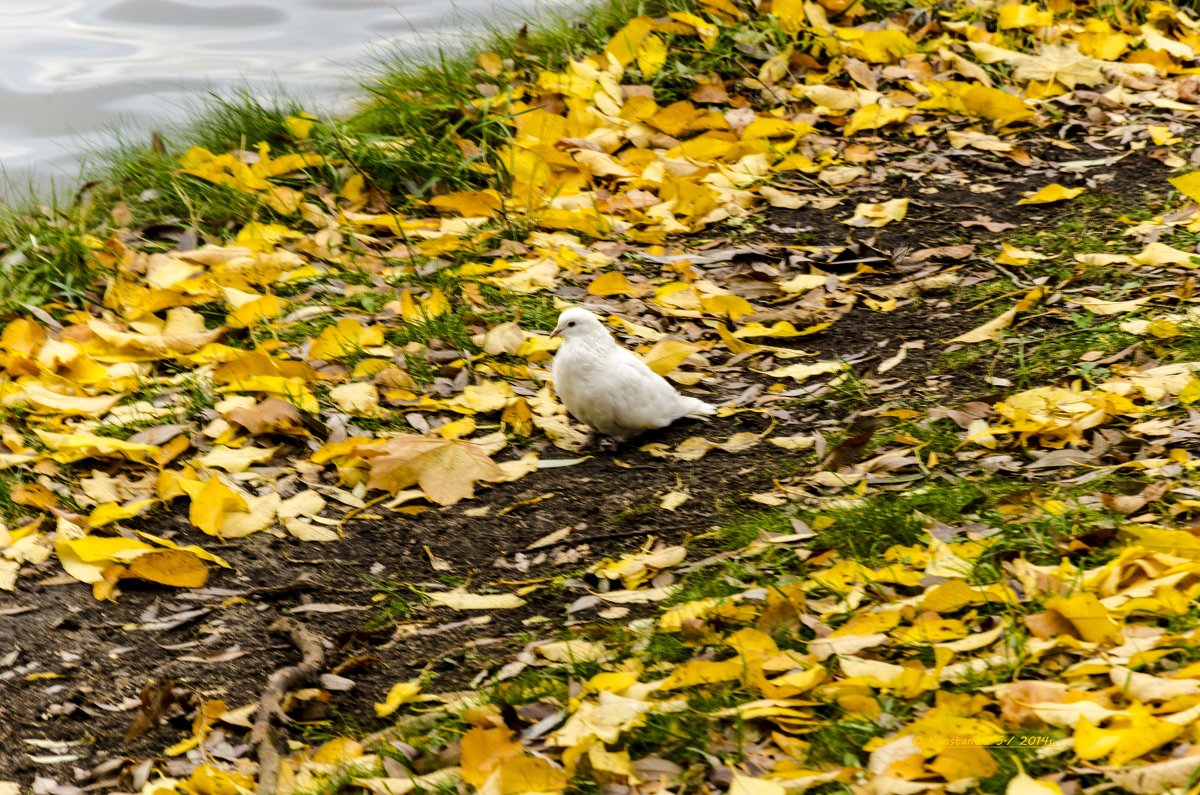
(73, 71)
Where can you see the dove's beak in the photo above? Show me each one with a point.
(556, 333)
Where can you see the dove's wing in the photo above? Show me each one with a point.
(635, 398)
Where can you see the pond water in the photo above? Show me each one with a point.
(72, 71)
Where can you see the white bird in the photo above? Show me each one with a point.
(609, 387)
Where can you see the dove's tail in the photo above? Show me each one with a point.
(697, 408)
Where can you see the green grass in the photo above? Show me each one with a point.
(11, 511)
(1055, 353)
(43, 255)
(400, 603)
(866, 529)
(420, 131)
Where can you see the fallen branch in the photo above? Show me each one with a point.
(269, 704)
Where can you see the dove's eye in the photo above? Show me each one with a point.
(572, 323)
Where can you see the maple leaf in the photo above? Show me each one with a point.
(1060, 62)
(445, 469)
(270, 415)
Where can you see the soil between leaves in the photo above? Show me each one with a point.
(79, 666)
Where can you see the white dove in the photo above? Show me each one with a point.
(609, 387)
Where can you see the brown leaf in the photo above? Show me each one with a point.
(1123, 504)
(159, 435)
(157, 698)
(942, 252)
(987, 223)
(849, 451)
(1016, 698)
(445, 469)
(710, 93)
(860, 73)
(1049, 623)
(35, 495)
(271, 415)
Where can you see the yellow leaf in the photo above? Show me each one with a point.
(996, 105)
(1049, 193)
(876, 46)
(872, 117)
(184, 331)
(1010, 255)
(110, 512)
(463, 426)
(42, 399)
(293, 390)
(471, 203)
(530, 774)
(651, 55)
(1024, 16)
(359, 399)
(209, 780)
(346, 338)
(704, 672)
(1098, 306)
(705, 30)
(1024, 784)
(991, 330)
(266, 307)
(1162, 136)
(77, 446)
(1158, 254)
(605, 720)
(483, 397)
(615, 283)
(746, 785)
(445, 469)
(726, 305)
(803, 372)
(1188, 184)
(235, 459)
(299, 126)
(212, 503)
(880, 214)
(780, 328)
(1087, 615)
(667, 354)
(401, 693)
(490, 63)
(1125, 739)
(673, 499)
(177, 568)
(464, 600)
(192, 548)
(264, 237)
(86, 558)
(624, 45)
(336, 751)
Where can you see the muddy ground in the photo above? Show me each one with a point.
(73, 671)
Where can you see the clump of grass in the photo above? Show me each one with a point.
(43, 255)
(867, 529)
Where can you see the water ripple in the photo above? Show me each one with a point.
(74, 70)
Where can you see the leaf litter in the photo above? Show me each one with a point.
(257, 382)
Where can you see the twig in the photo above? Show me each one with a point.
(356, 511)
(312, 661)
(568, 541)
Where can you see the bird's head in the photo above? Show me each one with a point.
(578, 323)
